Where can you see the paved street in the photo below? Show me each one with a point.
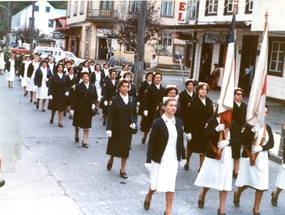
(47, 173)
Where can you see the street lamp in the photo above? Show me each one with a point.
(9, 25)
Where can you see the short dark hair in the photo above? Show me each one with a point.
(148, 73)
(189, 81)
(167, 90)
(84, 73)
(123, 81)
(155, 74)
(201, 85)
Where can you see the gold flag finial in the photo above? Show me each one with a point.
(266, 20)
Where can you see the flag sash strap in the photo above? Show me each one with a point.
(217, 151)
(252, 157)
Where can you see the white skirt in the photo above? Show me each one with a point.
(10, 75)
(24, 82)
(42, 93)
(256, 176)
(217, 174)
(280, 182)
(99, 90)
(163, 177)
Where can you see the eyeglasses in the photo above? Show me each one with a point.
(238, 94)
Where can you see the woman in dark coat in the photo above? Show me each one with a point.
(109, 90)
(142, 88)
(57, 93)
(84, 68)
(132, 90)
(122, 118)
(152, 97)
(71, 80)
(186, 99)
(85, 97)
(194, 128)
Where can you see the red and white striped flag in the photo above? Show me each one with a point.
(227, 90)
(257, 97)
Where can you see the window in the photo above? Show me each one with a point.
(106, 5)
(47, 9)
(248, 6)
(129, 48)
(276, 56)
(68, 9)
(229, 7)
(30, 21)
(50, 23)
(134, 6)
(179, 52)
(167, 8)
(75, 8)
(211, 7)
(166, 42)
(36, 8)
(81, 7)
(193, 10)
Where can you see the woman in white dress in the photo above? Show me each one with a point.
(219, 165)
(280, 182)
(24, 73)
(165, 149)
(97, 78)
(31, 75)
(42, 76)
(254, 175)
(10, 67)
(2, 62)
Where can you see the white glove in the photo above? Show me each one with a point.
(66, 94)
(138, 104)
(93, 106)
(106, 103)
(47, 79)
(145, 113)
(28, 79)
(133, 126)
(73, 87)
(21, 77)
(220, 127)
(255, 129)
(36, 87)
(50, 97)
(148, 166)
(256, 149)
(283, 166)
(188, 136)
(223, 144)
(182, 162)
(109, 133)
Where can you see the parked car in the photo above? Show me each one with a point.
(20, 50)
(77, 60)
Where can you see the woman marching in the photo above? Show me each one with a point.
(122, 119)
(254, 174)
(71, 81)
(42, 76)
(31, 75)
(84, 99)
(219, 166)
(165, 150)
(132, 90)
(23, 73)
(142, 88)
(109, 90)
(202, 110)
(57, 93)
(11, 68)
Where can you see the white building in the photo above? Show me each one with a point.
(44, 13)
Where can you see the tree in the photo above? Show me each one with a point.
(126, 27)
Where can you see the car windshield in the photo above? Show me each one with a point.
(69, 55)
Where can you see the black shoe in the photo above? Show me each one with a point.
(220, 213)
(31, 100)
(51, 121)
(2, 183)
(186, 167)
(274, 200)
(60, 125)
(143, 141)
(123, 175)
(201, 203)
(109, 166)
(255, 213)
(84, 145)
(236, 201)
(76, 139)
(146, 204)
(64, 113)
(43, 110)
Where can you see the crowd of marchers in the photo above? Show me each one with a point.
(167, 117)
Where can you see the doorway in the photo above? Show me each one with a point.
(248, 56)
(103, 49)
(205, 64)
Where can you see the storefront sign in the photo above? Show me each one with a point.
(182, 9)
(214, 38)
(103, 32)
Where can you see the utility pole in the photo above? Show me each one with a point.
(139, 56)
(32, 29)
(9, 25)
